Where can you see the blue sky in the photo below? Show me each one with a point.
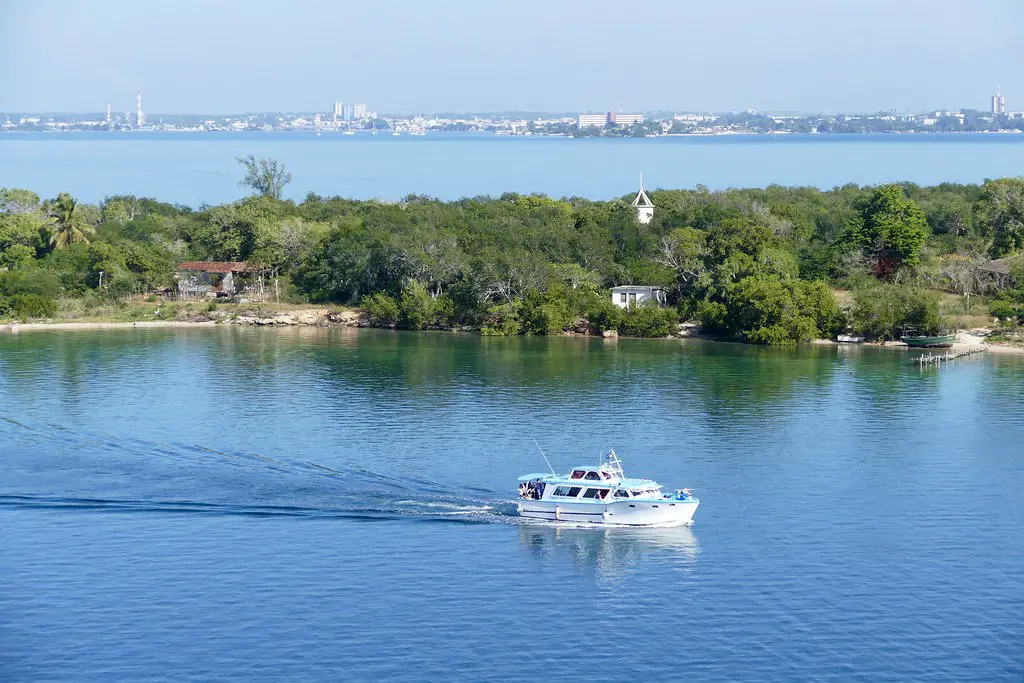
(191, 56)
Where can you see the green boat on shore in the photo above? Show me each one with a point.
(942, 341)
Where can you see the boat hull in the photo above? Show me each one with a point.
(632, 513)
(938, 342)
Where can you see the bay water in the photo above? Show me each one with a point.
(337, 504)
(198, 168)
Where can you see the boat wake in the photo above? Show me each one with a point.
(46, 466)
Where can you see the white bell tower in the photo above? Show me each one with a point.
(643, 204)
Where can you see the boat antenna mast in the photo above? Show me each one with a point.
(544, 456)
(613, 464)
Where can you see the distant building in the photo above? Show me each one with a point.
(998, 103)
(625, 119)
(643, 205)
(592, 120)
(637, 295)
(359, 111)
(140, 118)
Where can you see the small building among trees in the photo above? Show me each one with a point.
(626, 296)
(216, 279)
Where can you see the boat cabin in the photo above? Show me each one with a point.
(592, 475)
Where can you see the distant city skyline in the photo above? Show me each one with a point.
(233, 57)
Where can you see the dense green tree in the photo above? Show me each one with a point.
(1002, 205)
(891, 229)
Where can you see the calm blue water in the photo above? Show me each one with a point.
(304, 504)
(196, 168)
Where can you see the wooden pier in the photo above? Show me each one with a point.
(951, 355)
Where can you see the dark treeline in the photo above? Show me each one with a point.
(759, 265)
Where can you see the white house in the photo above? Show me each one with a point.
(643, 204)
(636, 295)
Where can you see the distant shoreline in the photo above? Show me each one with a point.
(278, 323)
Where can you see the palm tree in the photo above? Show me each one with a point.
(68, 225)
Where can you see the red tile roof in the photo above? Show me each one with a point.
(218, 266)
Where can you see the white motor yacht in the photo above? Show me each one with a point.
(603, 495)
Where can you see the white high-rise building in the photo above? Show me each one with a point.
(359, 111)
(998, 103)
(140, 118)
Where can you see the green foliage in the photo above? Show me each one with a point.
(69, 224)
(648, 321)
(32, 280)
(549, 312)
(381, 310)
(891, 229)
(416, 306)
(1006, 309)
(266, 176)
(503, 320)
(881, 310)
(1002, 204)
(603, 315)
(26, 305)
(750, 264)
(16, 255)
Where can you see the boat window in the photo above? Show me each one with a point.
(637, 493)
(593, 493)
(605, 475)
(622, 494)
(577, 474)
(568, 491)
(592, 476)
(574, 491)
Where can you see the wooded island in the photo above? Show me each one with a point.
(776, 265)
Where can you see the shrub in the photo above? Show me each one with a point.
(648, 321)
(444, 311)
(30, 280)
(24, 306)
(503, 320)
(416, 306)
(1005, 310)
(548, 313)
(603, 315)
(882, 310)
(381, 310)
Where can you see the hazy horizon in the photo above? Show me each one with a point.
(235, 57)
